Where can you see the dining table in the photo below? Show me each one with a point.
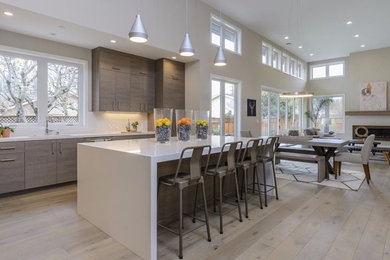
(322, 147)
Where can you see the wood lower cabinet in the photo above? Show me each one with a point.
(40, 163)
(67, 160)
(11, 167)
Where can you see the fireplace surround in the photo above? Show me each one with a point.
(362, 131)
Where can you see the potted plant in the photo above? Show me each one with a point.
(163, 130)
(184, 129)
(317, 107)
(202, 128)
(134, 125)
(5, 131)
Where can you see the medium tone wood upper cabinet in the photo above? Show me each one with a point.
(40, 163)
(170, 85)
(11, 166)
(121, 82)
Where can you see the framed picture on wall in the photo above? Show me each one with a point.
(251, 107)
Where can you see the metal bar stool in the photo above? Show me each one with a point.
(248, 161)
(268, 155)
(221, 170)
(181, 180)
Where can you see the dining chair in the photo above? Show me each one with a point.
(249, 161)
(267, 155)
(221, 170)
(360, 158)
(181, 180)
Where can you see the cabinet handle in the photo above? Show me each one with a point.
(60, 148)
(142, 73)
(118, 106)
(174, 78)
(53, 148)
(115, 68)
(113, 105)
(7, 148)
(8, 160)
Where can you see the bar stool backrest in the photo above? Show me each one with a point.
(268, 149)
(252, 149)
(195, 161)
(231, 158)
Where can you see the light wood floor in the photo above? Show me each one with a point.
(308, 222)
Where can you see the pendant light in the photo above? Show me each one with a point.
(296, 94)
(186, 48)
(138, 32)
(220, 59)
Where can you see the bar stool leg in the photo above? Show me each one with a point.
(246, 191)
(195, 204)
(253, 182)
(181, 224)
(276, 186)
(242, 182)
(258, 186)
(238, 196)
(265, 185)
(220, 205)
(206, 216)
(214, 198)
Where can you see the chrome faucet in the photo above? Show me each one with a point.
(47, 131)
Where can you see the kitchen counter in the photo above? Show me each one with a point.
(68, 136)
(117, 186)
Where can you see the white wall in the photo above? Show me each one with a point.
(361, 67)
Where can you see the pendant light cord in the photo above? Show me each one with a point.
(186, 16)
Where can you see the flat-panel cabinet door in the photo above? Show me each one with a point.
(122, 92)
(107, 90)
(40, 163)
(150, 91)
(67, 160)
(137, 90)
(174, 93)
(11, 172)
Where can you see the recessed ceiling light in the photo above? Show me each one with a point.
(349, 22)
(53, 34)
(356, 36)
(174, 58)
(7, 13)
(61, 26)
(286, 37)
(311, 54)
(113, 41)
(363, 45)
(300, 47)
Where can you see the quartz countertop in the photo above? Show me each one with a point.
(68, 136)
(166, 151)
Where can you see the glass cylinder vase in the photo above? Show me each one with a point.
(163, 124)
(184, 121)
(202, 119)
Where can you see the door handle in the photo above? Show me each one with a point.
(8, 160)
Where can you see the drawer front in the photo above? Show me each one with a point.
(11, 172)
(11, 147)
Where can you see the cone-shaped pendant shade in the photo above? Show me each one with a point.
(186, 48)
(138, 32)
(220, 59)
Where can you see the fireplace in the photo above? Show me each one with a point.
(362, 131)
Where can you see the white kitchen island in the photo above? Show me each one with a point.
(117, 187)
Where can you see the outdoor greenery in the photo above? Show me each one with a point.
(318, 106)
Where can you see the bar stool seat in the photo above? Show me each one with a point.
(182, 180)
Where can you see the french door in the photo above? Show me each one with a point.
(224, 107)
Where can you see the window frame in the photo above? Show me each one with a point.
(237, 103)
(327, 112)
(224, 25)
(287, 66)
(293, 71)
(300, 72)
(42, 83)
(279, 67)
(326, 65)
(270, 53)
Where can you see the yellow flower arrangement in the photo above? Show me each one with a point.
(163, 122)
(202, 123)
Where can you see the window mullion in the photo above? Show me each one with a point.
(222, 109)
(42, 91)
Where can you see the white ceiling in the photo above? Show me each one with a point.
(318, 25)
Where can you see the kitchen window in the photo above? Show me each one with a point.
(226, 34)
(33, 87)
(224, 107)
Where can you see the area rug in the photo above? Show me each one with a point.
(307, 172)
